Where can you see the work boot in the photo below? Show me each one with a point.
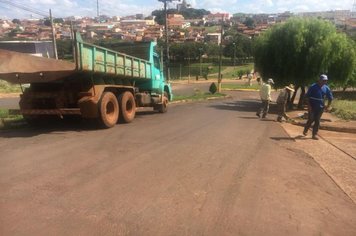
(305, 132)
(315, 137)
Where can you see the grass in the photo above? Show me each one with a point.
(345, 109)
(240, 86)
(198, 96)
(6, 87)
(228, 72)
(8, 120)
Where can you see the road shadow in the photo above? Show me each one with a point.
(20, 129)
(246, 105)
(240, 105)
(249, 117)
(25, 130)
(146, 113)
(299, 137)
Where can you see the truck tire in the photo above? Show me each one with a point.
(163, 108)
(127, 107)
(108, 110)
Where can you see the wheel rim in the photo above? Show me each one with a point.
(110, 111)
(129, 106)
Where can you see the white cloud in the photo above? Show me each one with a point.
(62, 8)
(40, 2)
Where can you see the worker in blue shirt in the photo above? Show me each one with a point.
(316, 95)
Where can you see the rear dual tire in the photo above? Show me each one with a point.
(108, 110)
(112, 109)
(127, 107)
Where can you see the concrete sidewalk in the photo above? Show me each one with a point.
(328, 121)
(335, 152)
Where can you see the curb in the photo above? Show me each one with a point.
(9, 95)
(342, 129)
(240, 89)
(199, 100)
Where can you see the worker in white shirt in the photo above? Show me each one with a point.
(265, 94)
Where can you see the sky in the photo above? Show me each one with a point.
(64, 8)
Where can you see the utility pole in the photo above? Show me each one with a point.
(53, 35)
(200, 59)
(220, 53)
(234, 54)
(97, 8)
(166, 38)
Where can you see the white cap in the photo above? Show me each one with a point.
(323, 77)
(270, 81)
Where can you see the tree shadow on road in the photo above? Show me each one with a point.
(247, 105)
(53, 126)
(56, 125)
(299, 137)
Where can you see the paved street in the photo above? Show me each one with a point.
(206, 168)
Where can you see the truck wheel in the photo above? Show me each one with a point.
(163, 108)
(127, 107)
(108, 110)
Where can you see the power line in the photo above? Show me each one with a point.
(25, 8)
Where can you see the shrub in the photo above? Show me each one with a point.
(213, 88)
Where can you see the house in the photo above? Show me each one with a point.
(176, 21)
(217, 17)
(213, 38)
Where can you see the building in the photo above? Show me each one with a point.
(330, 15)
(217, 18)
(176, 21)
(153, 33)
(213, 38)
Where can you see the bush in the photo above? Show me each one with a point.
(6, 87)
(213, 88)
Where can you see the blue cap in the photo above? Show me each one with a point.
(323, 77)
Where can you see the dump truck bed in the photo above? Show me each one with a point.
(98, 59)
(18, 67)
(90, 59)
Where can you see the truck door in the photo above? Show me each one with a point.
(157, 68)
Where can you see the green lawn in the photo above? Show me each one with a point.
(228, 72)
(345, 109)
(198, 96)
(240, 86)
(8, 121)
(6, 87)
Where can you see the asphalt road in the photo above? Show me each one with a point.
(207, 168)
(9, 102)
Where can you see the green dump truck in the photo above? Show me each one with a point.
(102, 84)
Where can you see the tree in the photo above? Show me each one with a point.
(159, 14)
(16, 21)
(299, 50)
(188, 13)
(47, 22)
(240, 46)
(64, 48)
(250, 23)
(58, 20)
(192, 50)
